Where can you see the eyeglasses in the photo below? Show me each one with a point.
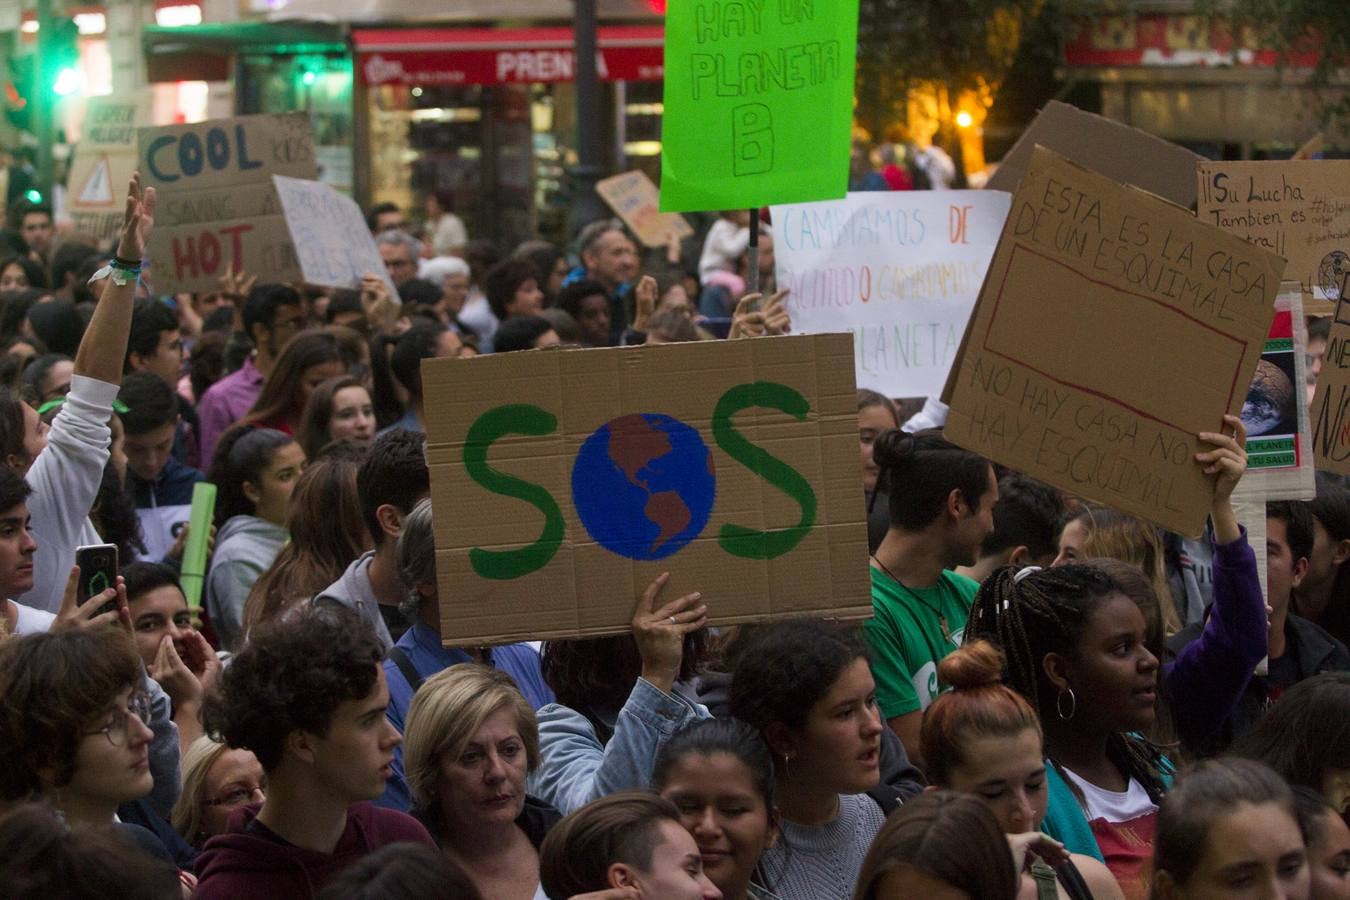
(118, 728)
(238, 797)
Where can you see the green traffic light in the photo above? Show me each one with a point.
(68, 81)
(309, 78)
(33, 195)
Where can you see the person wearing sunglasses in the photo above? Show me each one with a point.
(74, 725)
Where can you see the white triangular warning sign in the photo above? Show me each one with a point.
(97, 190)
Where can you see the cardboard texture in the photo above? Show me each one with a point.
(635, 198)
(900, 270)
(556, 508)
(1118, 151)
(1112, 328)
(1331, 402)
(105, 159)
(758, 103)
(218, 208)
(1279, 427)
(1298, 209)
(332, 242)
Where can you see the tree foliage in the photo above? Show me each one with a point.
(959, 44)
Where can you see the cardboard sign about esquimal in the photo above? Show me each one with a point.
(563, 482)
(1112, 328)
(218, 209)
(1298, 209)
(900, 270)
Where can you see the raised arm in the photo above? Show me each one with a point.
(104, 346)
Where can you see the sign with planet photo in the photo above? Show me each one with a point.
(563, 482)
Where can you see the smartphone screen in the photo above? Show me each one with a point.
(98, 573)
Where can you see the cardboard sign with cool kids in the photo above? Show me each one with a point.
(731, 464)
(218, 209)
(1113, 327)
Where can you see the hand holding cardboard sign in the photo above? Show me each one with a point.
(645, 297)
(138, 220)
(1227, 462)
(659, 631)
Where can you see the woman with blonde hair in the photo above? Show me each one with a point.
(471, 740)
(217, 780)
(1096, 531)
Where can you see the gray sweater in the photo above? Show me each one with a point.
(246, 546)
(353, 591)
(822, 863)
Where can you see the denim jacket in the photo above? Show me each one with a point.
(576, 768)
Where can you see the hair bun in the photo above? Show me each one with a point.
(892, 447)
(971, 667)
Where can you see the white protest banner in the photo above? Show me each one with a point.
(900, 270)
(332, 241)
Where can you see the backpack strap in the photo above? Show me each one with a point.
(406, 668)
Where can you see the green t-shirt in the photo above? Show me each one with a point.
(905, 634)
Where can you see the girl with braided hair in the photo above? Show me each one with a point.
(1076, 647)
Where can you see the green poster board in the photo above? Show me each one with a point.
(758, 102)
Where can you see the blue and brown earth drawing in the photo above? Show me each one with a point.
(644, 485)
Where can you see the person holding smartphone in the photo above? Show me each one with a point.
(64, 464)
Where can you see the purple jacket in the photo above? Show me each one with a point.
(1208, 674)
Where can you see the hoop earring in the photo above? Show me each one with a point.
(1059, 704)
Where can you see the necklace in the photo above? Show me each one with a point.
(935, 609)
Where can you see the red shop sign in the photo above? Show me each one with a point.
(427, 56)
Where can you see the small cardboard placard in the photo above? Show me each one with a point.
(1112, 328)
(1117, 151)
(900, 270)
(1331, 403)
(731, 464)
(1298, 209)
(105, 159)
(218, 208)
(1279, 431)
(758, 103)
(635, 198)
(332, 242)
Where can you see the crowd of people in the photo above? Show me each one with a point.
(1051, 699)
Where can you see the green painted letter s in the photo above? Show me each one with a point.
(748, 542)
(504, 565)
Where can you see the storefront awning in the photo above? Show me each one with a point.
(428, 56)
(205, 52)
